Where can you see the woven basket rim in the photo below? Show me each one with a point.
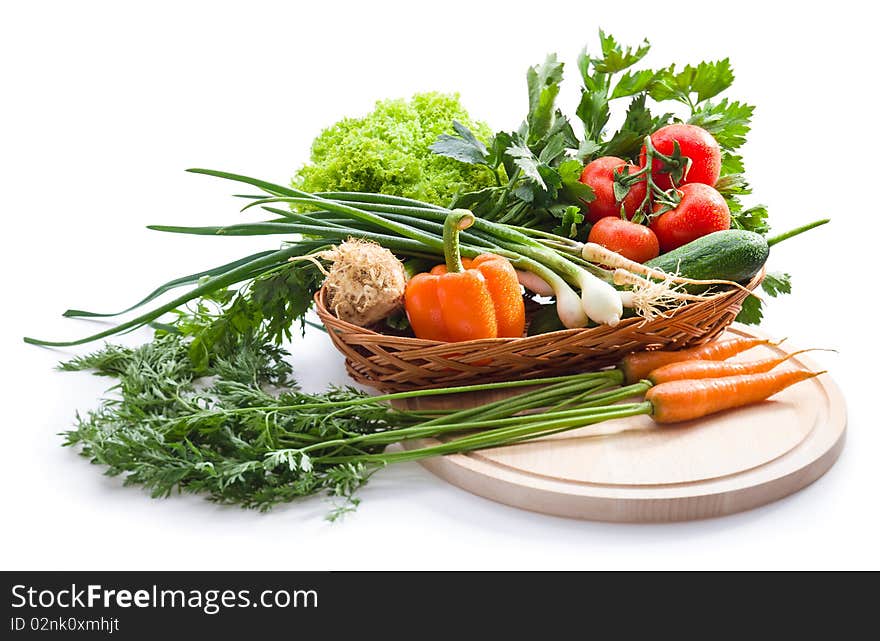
(524, 340)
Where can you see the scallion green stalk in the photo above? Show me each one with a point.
(405, 226)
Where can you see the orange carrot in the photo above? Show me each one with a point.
(696, 369)
(685, 400)
(638, 365)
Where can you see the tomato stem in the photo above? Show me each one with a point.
(667, 199)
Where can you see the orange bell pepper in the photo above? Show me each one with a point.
(465, 299)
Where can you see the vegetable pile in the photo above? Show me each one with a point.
(417, 221)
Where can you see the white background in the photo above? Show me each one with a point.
(103, 104)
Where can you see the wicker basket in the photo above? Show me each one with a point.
(400, 363)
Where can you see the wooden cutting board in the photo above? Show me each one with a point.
(632, 470)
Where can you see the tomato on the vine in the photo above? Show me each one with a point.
(695, 143)
(702, 210)
(629, 239)
(599, 175)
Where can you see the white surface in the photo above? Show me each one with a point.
(103, 105)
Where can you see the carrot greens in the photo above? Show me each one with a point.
(240, 432)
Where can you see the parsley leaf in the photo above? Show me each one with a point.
(527, 162)
(751, 312)
(638, 123)
(615, 57)
(570, 217)
(553, 148)
(474, 200)
(551, 179)
(593, 109)
(711, 78)
(570, 172)
(707, 80)
(543, 84)
(731, 164)
(284, 297)
(221, 332)
(727, 121)
(776, 283)
(525, 193)
(753, 218)
(733, 184)
(464, 147)
(632, 83)
(594, 112)
(586, 149)
(268, 307)
(561, 130)
(497, 152)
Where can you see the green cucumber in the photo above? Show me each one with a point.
(732, 254)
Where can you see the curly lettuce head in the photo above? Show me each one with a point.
(387, 152)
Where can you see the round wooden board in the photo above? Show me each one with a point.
(631, 470)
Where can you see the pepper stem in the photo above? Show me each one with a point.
(458, 220)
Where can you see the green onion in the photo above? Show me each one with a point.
(409, 228)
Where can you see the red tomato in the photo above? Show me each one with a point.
(629, 239)
(697, 144)
(599, 174)
(701, 211)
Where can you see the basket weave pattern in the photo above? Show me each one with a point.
(401, 363)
